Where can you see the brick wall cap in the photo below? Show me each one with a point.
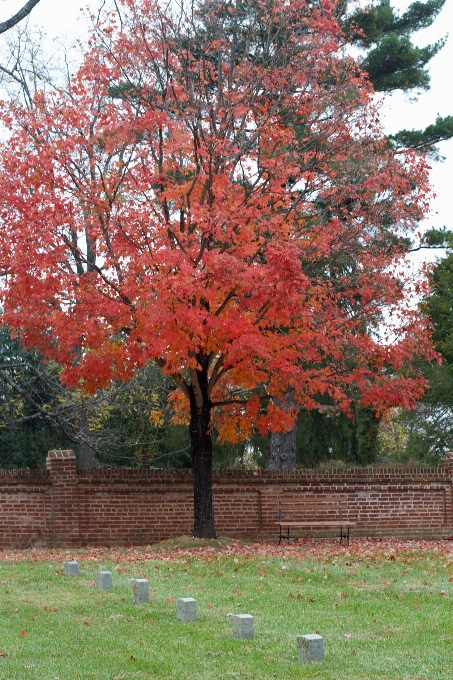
(25, 473)
(52, 455)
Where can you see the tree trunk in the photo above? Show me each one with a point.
(201, 446)
(283, 445)
(86, 458)
(283, 451)
(367, 429)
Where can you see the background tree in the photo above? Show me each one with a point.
(28, 389)
(126, 425)
(430, 427)
(173, 207)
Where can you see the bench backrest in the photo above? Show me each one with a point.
(310, 506)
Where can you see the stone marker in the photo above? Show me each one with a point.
(104, 580)
(71, 568)
(186, 609)
(243, 626)
(140, 591)
(310, 648)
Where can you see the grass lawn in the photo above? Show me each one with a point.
(384, 609)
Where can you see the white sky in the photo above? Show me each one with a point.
(63, 18)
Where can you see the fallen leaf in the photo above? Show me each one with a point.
(2, 653)
(170, 599)
(209, 606)
(150, 623)
(23, 633)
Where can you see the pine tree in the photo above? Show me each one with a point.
(393, 62)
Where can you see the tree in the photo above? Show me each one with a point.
(426, 433)
(28, 389)
(124, 425)
(394, 63)
(429, 429)
(26, 67)
(228, 213)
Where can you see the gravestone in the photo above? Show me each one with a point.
(71, 568)
(186, 609)
(104, 580)
(243, 626)
(140, 591)
(310, 648)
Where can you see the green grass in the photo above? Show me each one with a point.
(378, 606)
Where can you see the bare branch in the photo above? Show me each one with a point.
(21, 14)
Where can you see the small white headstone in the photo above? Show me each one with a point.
(310, 648)
(140, 591)
(186, 609)
(71, 568)
(104, 580)
(243, 626)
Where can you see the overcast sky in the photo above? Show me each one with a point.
(63, 18)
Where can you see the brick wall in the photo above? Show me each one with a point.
(63, 506)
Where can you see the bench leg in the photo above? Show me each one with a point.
(280, 539)
(287, 536)
(341, 534)
(348, 535)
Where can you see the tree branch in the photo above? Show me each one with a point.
(21, 14)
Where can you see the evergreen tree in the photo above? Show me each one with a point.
(27, 386)
(393, 62)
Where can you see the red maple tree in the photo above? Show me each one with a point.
(213, 192)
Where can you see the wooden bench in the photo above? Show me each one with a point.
(317, 512)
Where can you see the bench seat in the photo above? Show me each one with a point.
(304, 505)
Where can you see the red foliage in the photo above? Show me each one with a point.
(166, 224)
